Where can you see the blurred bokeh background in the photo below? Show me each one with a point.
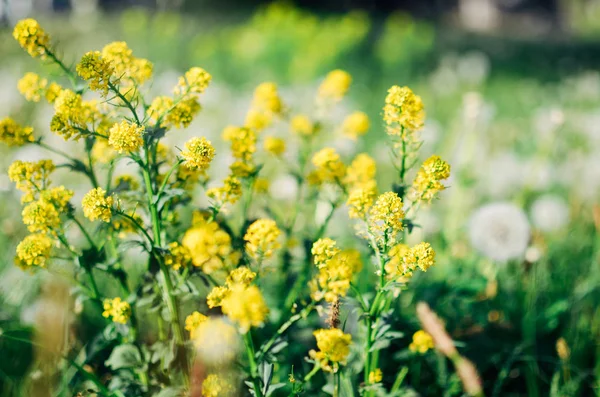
(512, 93)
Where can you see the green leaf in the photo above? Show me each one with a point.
(124, 356)
(171, 392)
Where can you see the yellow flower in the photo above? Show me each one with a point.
(301, 125)
(258, 120)
(386, 217)
(70, 115)
(427, 182)
(178, 256)
(266, 99)
(404, 108)
(126, 137)
(30, 177)
(323, 251)
(335, 275)
(420, 256)
(242, 275)
(262, 239)
(375, 376)
(562, 349)
(119, 310)
(193, 321)
(361, 171)
(96, 71)
(58, 196)
(216, 296)
(243, 143)
(127, 66)
(195, 80)
(31, 37)
(52, 92)
(335, 86)
(198, 154)
(241, 169)
(230, 192)
(34, 250)
(261, 185)
(396, 268)
(13, 134)
(360, 200)
(102, 152)
(159, 108)
(215, 386)
(245, 306)
(355, 125)
(41, 216)
(183, 113)
(275, 146)
(421, 342)
(97, 206)
(32, 86)
(334, 348)
(209, 246)
(329, 165)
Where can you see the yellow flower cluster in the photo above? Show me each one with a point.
(301, 125)
(361, 172)
(126, 137)
(375, 376)
(30, 177)
(403, 110)
(262, 239)
(193, 321)
(385, 218)
(215, 386)
(198, 154)
(275, 146)
(14, 134)
(117, 309)
(335, 275)
(172, 113)
(403, 261)
(267, 100)
(323, 251)
(34, 250)
(356, 125)
(427, 183)
(335, 86)
(230, 192)
(32, 38)
(102, 152)
(97, 206)
(420, 256)
(329, 166)
(195, 80)
(32, 87)
(209, 246)
(421, 342)
(128, 69)
(334, 348)
(96, 71)
(178, 256)
(243, 147)
(360, 200)
(73, 114)
(41, 216)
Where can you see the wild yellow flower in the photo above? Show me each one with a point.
(58, 196)
(261, 185)
(41, 216)
(198, 154)
(360, 200)
(209, 246)
(335, 86)
(329, 165)
(404, 108)
(32, 86)
(195, 80)
(119, 310)
(159, 108)
(386, 217)
(427, 183)
(183, 113)
(178, 256)
(355, 125)
(420, 256)
(245, 306)
(30, 177)
(323, 251)
(262, 239)
(258, 121)
(97, 206)
(375, 376)
(34, 250)
(215, 386)
(31, 37)
(301, 125)
(126, 137)
(242, 275)
(127, 66)
(14, 134)
(334, 276)
(216, 295)
(230, 192)
(52, 92)
(193, 321)
(69, 118)
(334, 348)
(361, 171)
(243, 143)
(102, 152)
(396, 267)
(266, 99)
(96, 71)
(275, 146)
(421, 342)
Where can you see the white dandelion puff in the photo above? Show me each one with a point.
(549, 213)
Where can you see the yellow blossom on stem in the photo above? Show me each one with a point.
(32, 86)
(31, 37)
(262, 239)
(375, 376)
(258, 120)
(127, 66)
(361, 171)
(215, 386)
(14, 134)
(360, 200)
(230, 192)
(334, 348)
(428, 183)
(334, 276)
(301, 125)
(385, 219)
(97, 206)
(355, 125)
(404, 108)
(198, 154)
(117, 309)
(178, 256)
(329, 165)
(275, 146)
(335, 86)
(216, 295)
(209, 246)
(58, 196)
(34, 250)
(183, 113)
(96, 71)
(195, 80)
(242, 275)
(323, 251)
(420, 256)
(193, 321)
(159, 108)
(245, 306)
(125, 137)
(30, 177)
(395, 267)
(41, 216)
(267, 99)
(52, 92)
(421, 342)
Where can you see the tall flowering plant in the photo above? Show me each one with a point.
(221, 286)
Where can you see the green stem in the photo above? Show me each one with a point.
(267, 346)
(125, 101)
(70, 75)
(167, 176)
(252, 362)
(85, 233)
